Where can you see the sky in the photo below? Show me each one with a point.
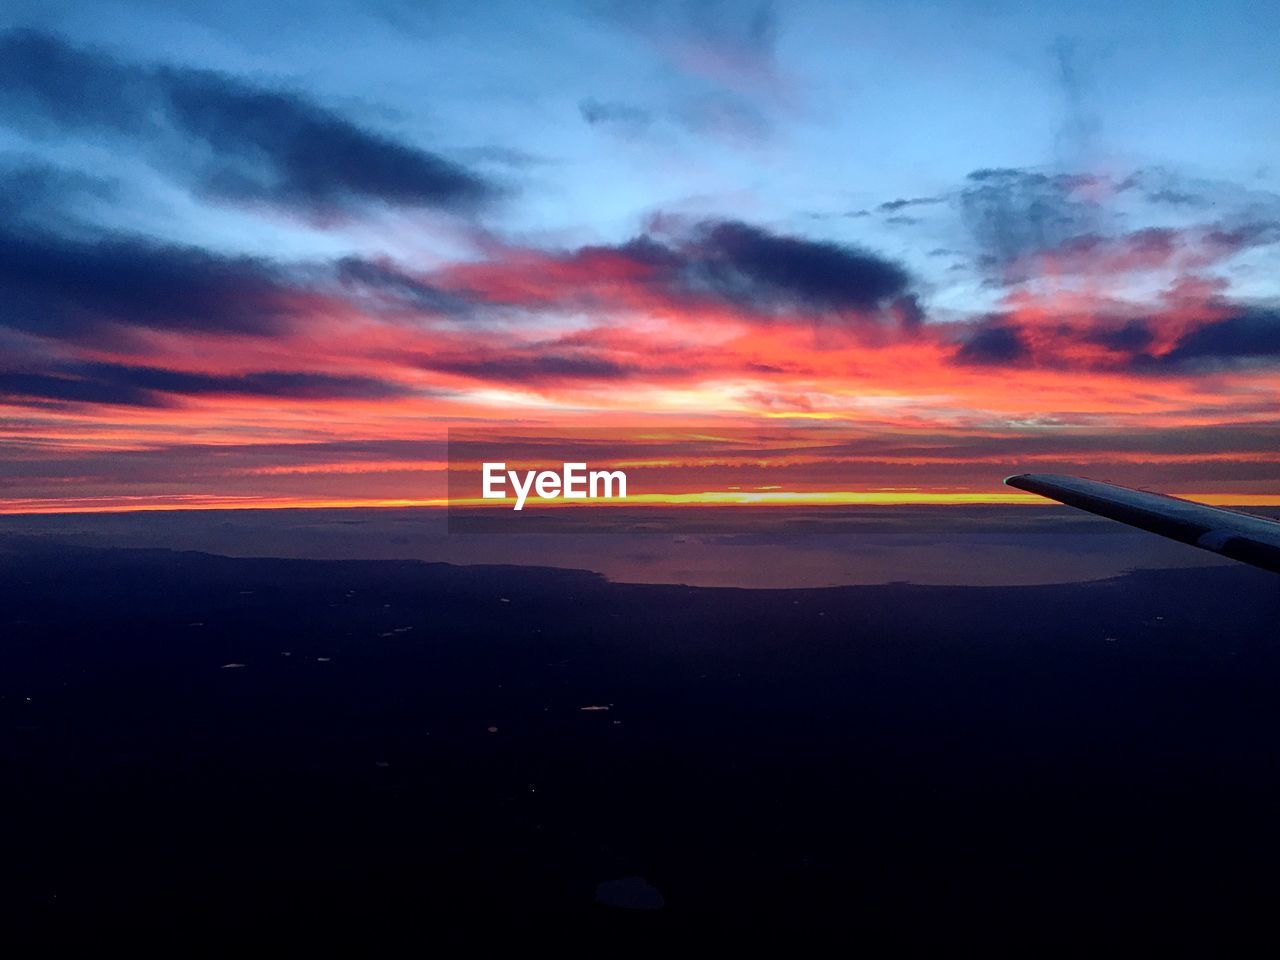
(270, 253)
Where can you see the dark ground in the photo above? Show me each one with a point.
(1050, 763)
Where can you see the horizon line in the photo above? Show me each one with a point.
(716, 499)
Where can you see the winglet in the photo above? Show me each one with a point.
(1240, 536)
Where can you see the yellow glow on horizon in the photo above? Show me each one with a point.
(706, 498)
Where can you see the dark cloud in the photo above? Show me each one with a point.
(1152, 248)
(34, 193)
(996, 345)
(1242, 236)
(1134, 337)
(715, 263)
(71, 288)
(292, 385)
(181, 462)
(153, 386)
(1250, 336)
(1012, 212)
(28, 387)
(624, 118)
(80, 286)
(909, 312)
(753, 267)
(233, 139)
(1019, 217)
(1159, 185)
(62, 279)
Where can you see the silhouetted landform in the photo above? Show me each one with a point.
(765, 548)
(380, 748)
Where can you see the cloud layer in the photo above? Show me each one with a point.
(215, 284)
(231, 138)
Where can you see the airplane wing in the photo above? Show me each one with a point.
(1240, 536)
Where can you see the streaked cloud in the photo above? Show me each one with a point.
(230, 138)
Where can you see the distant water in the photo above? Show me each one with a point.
(987, 545)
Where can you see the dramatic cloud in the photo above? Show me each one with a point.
(1012, 213)
(1151, 248)
(1133, 337)
(1027, 225)
(747, 264)
(149, 386)
(1160, 344)
(72, 288)
(234, 139)
(224, 272)
(1247, 337)
(76, 283)
(997, 344)
(725, 265)
(18, 387)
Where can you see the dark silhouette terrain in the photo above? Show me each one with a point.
(314, 748)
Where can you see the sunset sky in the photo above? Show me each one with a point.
(269, 254)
